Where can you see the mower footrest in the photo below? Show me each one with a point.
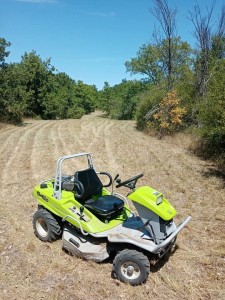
(84, 246)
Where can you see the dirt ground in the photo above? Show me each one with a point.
(31, 269)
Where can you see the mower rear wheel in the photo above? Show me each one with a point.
(131, 266)
(46, 227)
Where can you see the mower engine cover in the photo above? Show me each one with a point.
(154, 201)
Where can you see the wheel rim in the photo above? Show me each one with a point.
(42, 227)
(130, 270)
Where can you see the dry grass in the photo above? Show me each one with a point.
(31, 269)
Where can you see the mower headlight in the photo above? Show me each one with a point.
(159, 200)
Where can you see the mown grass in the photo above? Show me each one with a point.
(31, 269)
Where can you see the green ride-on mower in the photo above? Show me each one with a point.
(97, 224)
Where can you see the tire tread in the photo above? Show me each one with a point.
(131, 255)
(55, 228)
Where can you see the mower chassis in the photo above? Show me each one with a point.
(132, 231)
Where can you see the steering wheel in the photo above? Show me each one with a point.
(130, 183)
(78, 186)
(110, 178)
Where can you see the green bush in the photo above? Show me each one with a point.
(212, 117)
(119, 101)
(149, 101)
(213, 142)
(75, 112)
(13, 95)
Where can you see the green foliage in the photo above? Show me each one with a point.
(85, 96)
(212, 115)
(148, 104)
(120, 101)
(151, 61)
(13, 95)
(218, 47)
(38, 75)
(57, 100)
(32, 88)
(68, 99)
(105, 98)
(3, 53)
(148, 62)
(75, 112)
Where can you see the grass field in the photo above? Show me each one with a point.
(31, 269)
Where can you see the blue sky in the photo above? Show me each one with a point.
(90, 40)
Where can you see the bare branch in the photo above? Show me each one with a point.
(166, 17)
(203, 35)
(150, 113)
(221, 25)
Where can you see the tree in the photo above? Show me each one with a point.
(38, 74)
(212, 117)
(202, 33)
(151, 60)
(32, 88)
(211, 45)
(3, 53)
(58, 98)
(105, 98)
(85, 96)
(166, 17)
(67, 98)
(148, 62)
(120, 100)
(13, 94)
(218, 39)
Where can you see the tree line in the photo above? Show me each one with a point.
(33, 88)
(183, 88)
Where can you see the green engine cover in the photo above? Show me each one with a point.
(153, 200)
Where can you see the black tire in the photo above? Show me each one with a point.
(131, 266)
(46, 227)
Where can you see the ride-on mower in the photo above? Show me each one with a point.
(96, 224)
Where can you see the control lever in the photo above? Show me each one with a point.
(81, 212)
(115, 179)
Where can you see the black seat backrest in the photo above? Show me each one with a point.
(92, 184)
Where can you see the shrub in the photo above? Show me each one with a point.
(149, 102)
(75, 112)
(212, 118)
(169, 116)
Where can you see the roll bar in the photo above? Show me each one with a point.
(57, 193)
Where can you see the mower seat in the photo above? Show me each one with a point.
(104, 206)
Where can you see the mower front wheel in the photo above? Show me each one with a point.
(46, 227)
(131, 266)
